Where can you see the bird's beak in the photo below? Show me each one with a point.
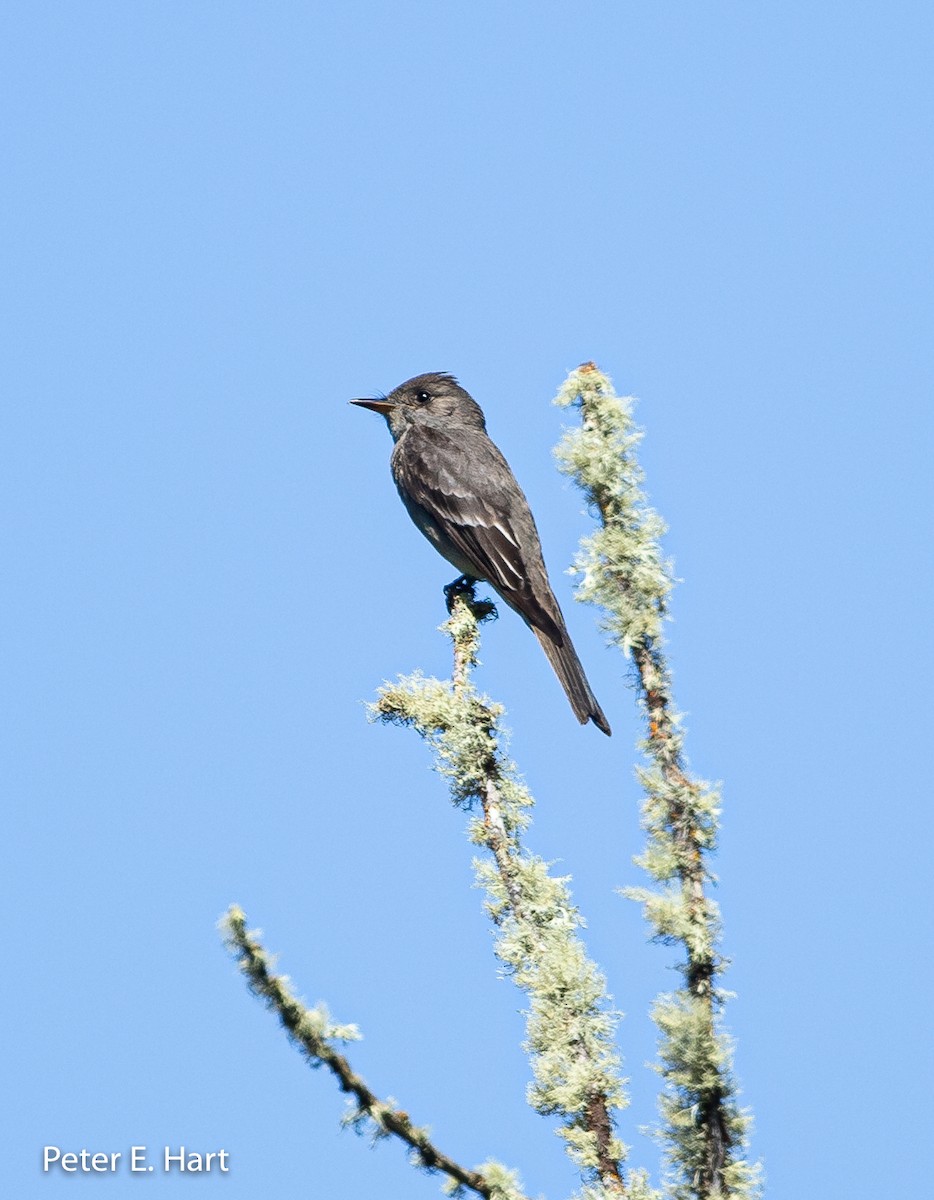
(378, 406)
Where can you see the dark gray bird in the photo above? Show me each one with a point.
(462, 495)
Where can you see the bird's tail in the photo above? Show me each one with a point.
(567, 666)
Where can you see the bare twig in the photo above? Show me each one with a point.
(314, 1034)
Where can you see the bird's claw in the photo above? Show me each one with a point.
(464, 588)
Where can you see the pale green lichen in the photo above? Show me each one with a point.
(504, 1183)
(569, 1023)
(621, 566)
(637, 1188)
(621, 569)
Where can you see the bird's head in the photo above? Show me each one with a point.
(434, 399)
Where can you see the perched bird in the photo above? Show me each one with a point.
(461, 493)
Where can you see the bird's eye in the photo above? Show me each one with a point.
(422, 397)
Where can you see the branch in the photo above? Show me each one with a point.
(623, 571)
(570, 1027)
(312, 1031)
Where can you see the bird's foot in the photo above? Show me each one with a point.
(464, 588)
(461, 588)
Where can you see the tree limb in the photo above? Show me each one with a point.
(573, 1058)
(314, 1034)
(623, 571)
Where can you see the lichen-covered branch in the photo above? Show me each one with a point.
(314, 1033)
(623, 571)
(569, 1022)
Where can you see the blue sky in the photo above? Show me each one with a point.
(222, 221)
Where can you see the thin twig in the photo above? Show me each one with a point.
(307, 1028)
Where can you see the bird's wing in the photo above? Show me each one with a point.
(467, 488)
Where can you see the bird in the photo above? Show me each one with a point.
(461, 493)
